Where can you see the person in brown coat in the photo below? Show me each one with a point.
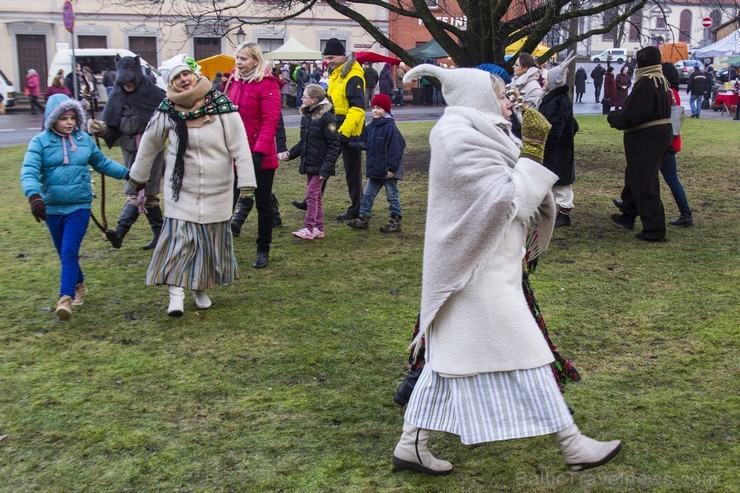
(623, 82)
(610, 90)
(645, 120)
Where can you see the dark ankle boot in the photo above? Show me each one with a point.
(393, 226)
(685, 220)
(403, 394)
(154, 216)
(243, 208)
(299, 205)
(563, 217)
(277, 222)
(129, 215)
(261, 261)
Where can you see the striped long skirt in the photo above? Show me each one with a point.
(193, 256)
(489, 406)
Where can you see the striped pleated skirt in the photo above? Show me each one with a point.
(193, 256)
(489, 406)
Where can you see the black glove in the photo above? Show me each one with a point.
(343, 139)
(257, 160)
(38, 208)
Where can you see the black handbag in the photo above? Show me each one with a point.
(606, 105)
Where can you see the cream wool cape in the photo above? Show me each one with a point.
(207, 187)
(482, 202)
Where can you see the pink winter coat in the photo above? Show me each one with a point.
(259, 108)
(32, 83)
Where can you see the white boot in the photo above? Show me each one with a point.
(581, 452)
(202, 300)
(177, 301)
(412, 453)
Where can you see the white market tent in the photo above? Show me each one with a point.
(293, 50)
(726, 47)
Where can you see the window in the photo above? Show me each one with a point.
(660, 22)
(608, 17)
(145, 47)
(206, 47)
(433, 4)
(269, 44)
(635, 27)
(92, 42)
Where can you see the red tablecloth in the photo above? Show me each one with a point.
(728, 99)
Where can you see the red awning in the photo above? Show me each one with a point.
(371, 57)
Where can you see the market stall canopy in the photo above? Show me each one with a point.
(218, 63)
(372, 57)
(733, 62)
(728, 46)
(293, 50)
(516, 47)
(430, 49)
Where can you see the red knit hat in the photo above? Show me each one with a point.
(382, 101)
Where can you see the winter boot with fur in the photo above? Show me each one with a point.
(277, 221)
(202, 300)
(393, 226)
(581, 452)
(154, 216)
(359, 222)
(63, 309)
(412, 453)
(177, 301)
(243, 208)
(128, 217)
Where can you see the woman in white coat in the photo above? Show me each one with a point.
(529, 79)
(487, 376)
(206, 140)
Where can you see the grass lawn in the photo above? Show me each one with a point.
(285, 384)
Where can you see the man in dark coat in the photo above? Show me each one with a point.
(597, 74)
(130, 106)
(697, 86)
(559, 156)
(646, 122)
(371, 80)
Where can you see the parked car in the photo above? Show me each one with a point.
(727, 74)
(685, 67)
(618, 55)
(7, 89)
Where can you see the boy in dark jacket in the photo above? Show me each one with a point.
(384, 165)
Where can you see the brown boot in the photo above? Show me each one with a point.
(581, 452)
(393, 226)
(64, 308)
(412, 453)
(80, 293)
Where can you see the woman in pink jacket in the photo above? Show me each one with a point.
(257, 95)
(33, 91)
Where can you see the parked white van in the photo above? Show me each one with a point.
(7, 89)
(618, 55)
(99, 60)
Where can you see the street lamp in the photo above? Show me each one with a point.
(240, 34)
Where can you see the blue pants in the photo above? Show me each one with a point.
(695, 103)
(371, 191)
(670, 175)
(67, 232)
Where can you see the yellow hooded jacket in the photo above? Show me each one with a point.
(352, 118)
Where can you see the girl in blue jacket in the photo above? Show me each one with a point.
(56, 179)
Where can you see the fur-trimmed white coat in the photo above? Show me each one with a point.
(206, 195)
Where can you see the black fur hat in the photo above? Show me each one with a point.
(650, 55)
(670, 72)
(334, 47)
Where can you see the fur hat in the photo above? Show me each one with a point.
(466, 87)
(670, 72)
(334, 47)
(176, 65)
(57, 105)
(650, 55)
(382, 101)
(556, 76)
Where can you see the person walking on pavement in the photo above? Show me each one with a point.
(130, 106)
(33, 91)
(347, 93)
(400, 72)
(581, 79)
(597, 74)
(301, 79)
(371, 80)
(696, 87)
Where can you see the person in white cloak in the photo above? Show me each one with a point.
(487, 376)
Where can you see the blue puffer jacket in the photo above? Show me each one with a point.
(385, 145)
(64, 186)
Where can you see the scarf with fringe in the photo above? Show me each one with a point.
(654, 72)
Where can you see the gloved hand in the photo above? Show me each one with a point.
(96, 127)
(257, 160)
(38, 208)
(343, 139)
(535, 128)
